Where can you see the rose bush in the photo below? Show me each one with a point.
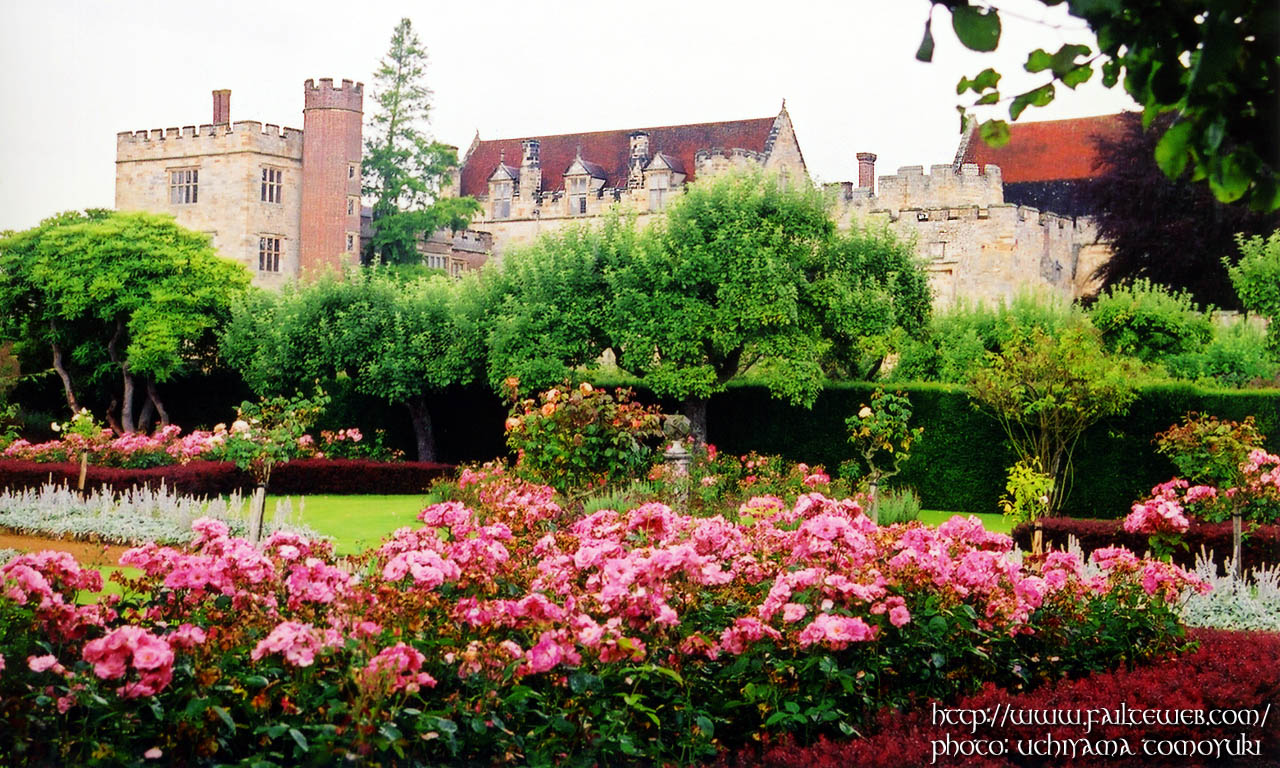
(506, 630)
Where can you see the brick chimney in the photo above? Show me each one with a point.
(221, 107)
(530, 168)
(867, 171)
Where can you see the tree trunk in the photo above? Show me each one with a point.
(146, 415)
(422, 430)
(257, 512)
(695, 409)
(153, 397)
(127, 422)
(66, 379)
(110, 416)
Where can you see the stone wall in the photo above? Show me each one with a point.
(973, 244)
(229, 205)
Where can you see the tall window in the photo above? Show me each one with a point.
(437, 261)
(272, 185)
(578, 195)
(502, 200)
(184, 185)
(351, 242)
(659, 186)
(269, 253)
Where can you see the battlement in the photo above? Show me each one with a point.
(943, 186)
(325, 96)
(241, 136)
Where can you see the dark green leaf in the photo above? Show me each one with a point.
(994, 132)
(299, 739)
(925, 51)
(1171, 151)
(1038, 97)
(977, 28)
(1038, 61)
(225, 716)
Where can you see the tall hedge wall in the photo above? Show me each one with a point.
(960, 462)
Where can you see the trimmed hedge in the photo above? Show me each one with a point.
(1230, 670)
(198, 478)
(1261, 546)
(960, 462)
(210, 478)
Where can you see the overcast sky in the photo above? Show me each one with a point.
(73, 74)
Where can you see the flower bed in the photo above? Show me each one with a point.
(1230, 671)
(1261, 546)
(512, 633)
(213, 478)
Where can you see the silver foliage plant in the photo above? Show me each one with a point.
(131, 517)
(1251, 602)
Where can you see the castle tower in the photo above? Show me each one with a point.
(331, 150)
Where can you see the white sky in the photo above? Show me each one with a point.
(74, 73)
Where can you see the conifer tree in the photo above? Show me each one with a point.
(404, 168)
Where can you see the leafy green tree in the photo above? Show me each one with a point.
(717, 290)
(133, 294)
(1214, 66)
(404, 169)
(548, 303)
(1046, 390)
(1147, 321)
(868, 292)
(1257, 281)
(401, 341)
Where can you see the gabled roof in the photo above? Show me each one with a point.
(581, 167)
(664, 162)
(1052, 150)
(611, 150)
(504, 171)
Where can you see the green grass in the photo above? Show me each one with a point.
(992, 522)
(356, 523)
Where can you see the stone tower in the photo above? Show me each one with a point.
(331, 149)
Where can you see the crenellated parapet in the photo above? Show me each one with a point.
(192, 141)
(349, 96)
(942, 186)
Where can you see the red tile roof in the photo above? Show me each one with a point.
(612, 150)
(1052, 150)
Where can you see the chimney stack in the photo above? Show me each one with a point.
(221, 107)
(867, 171)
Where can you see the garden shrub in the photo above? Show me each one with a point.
(517, 634)
(1148, 321)
(577, 438)
(1230, 670)
(1236, 356)
(1261, 545)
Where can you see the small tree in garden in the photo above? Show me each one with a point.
(1207, 450)
(578, 439)
(1027, 492)
(882, 436)
(265, 434)
(1257, 280)
(1047, 390)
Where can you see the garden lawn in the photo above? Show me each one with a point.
(356, 523)
(992, 522)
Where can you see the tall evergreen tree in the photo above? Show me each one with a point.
(404, 168)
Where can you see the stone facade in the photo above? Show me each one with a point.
(975, 246)
(535, 185)
(279, 201)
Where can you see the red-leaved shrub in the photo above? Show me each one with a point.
(1230, 671)
(211, 478)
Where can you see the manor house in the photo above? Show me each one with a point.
(537, 184)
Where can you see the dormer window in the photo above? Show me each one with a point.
(659, 187)
(501, 191)
(578, 195)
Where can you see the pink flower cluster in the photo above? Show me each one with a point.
(51, 580)
(113, 654)
(397, 668)
(298, 642)
(1162, 514)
